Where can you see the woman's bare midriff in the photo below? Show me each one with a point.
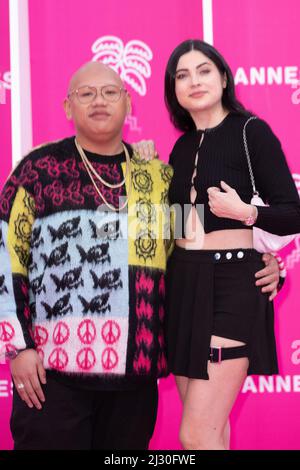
(197, 239)
(218, 240)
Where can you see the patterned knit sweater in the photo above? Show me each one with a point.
(82, 285)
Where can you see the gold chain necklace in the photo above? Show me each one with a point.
(90, 169)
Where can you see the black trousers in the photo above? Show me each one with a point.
(74, 419)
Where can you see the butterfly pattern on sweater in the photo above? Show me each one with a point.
(67, 229)
(60, 308)
(79, 265)
(109, 280)
(3, 288)
(71, 280)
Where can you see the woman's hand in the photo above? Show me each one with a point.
(228, 204)
(145, 149)
(269, 276)
(27, 372)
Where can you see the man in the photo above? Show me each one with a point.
(82, 280)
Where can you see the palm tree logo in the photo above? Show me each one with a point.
(5, 84)
(130, 61)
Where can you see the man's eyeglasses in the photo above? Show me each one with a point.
(87, 94)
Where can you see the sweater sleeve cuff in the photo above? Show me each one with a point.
(280, 220)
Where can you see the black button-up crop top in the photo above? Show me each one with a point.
(221, 156)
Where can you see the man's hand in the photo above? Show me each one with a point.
(27, 372)
(269, 276)
(145, 149)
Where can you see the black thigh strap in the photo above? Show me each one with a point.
(220, 354)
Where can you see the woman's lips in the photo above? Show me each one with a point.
(197, 94)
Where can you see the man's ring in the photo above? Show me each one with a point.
(20, 386)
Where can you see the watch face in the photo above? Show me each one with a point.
(11, 354)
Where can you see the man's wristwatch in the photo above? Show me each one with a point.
(12, 354)
(252, 218)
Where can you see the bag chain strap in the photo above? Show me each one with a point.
(255, 192)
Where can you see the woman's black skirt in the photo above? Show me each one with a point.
(213, 292)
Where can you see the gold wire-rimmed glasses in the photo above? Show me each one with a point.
(87, 94)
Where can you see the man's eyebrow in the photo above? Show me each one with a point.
(99, 86)
(198, 66)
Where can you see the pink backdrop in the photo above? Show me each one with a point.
(267, 414)
(5, 166)
(5, 134)
(263, 34)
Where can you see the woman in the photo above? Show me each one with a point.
(220, 324)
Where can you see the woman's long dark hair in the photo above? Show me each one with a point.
(179, 116)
